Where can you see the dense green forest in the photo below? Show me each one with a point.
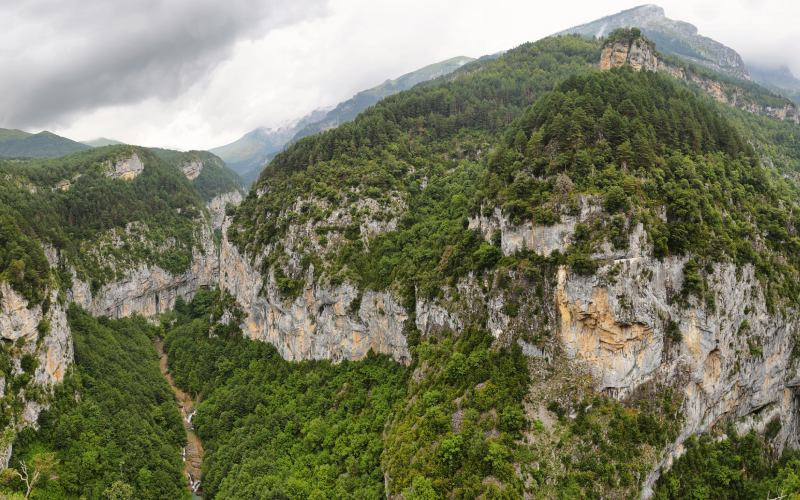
(642, 142)
(278, 429)
(535, 133)
(113, 427)
(731, 467)
(391, 151)
(214, 179)
(100, 225)
(636, 142)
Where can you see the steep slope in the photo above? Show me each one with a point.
(248, 155)
(42, 145)
(112, 426)
(116, 230)
(623, 234)
(626, 47)
(677, 38)
(209, 175)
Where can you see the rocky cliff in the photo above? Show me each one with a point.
(38, 345)
(640, 55)
(43, 332)
(730, 358)
(125, 169)
(733, 360)
(675, 37)
(323, 322)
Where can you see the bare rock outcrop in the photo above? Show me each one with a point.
(126, 169)
(323, 322)
(191, 169)
(45, 335)
(732, 360)
(640, 55)
(149, 290)
(217, 205)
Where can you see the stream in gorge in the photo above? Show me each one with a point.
(193, 452)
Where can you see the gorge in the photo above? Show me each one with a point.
(541, 275)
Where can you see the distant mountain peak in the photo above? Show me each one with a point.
(673, 37)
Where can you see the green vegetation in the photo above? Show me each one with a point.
(214, 179)
(100, 225)
(113, 424)
(638, 144)
(18, 144)
(456, 432)
(420, 155)
(278, 429)
(642, 143)
(589, 445)
(736, 467)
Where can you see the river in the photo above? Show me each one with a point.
(193, 453)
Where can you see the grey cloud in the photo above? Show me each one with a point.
(65, 57)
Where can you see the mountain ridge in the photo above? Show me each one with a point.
(249, 154)
(45, 144)
(674, 37)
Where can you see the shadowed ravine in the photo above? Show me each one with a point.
(193, 454)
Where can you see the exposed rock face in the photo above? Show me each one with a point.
(217, 205)
(639, 55)
(734, 360)
(54, 352)
(678, 37)
(150, 290)
(192, 169)
(541, 239)
(126, 169)
(321, 322)
(431, 316)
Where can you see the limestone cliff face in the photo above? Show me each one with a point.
(149, 290)
(52, 348)
(541, 239)
(191, 169)
(733, 360)
(628, 325)
(126, 169)
(324, 322)
(216, 206)
(639, 55)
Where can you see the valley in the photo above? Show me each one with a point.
(567, 270)
(192, 453)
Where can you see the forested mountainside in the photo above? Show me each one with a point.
(19, 144)
(249, 154)
(568, 271)
(115, 230)
(620, 228)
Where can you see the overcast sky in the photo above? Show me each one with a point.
(199, 73)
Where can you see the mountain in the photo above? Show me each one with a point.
(558, 253)
(568, 271)
(101, 141)
(18, 144)
(348, 110)
(677, 38)
(7, 134)
(778, 79)
(248, 155)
